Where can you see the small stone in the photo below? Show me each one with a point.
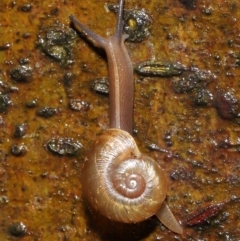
(47, 112)
(22, 73)
(18, 150)
(17, 229)
(79, 105)
(20, 130)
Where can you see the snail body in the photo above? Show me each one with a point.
(120, 72)
(121, 182)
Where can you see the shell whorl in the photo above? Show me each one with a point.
(121, 182)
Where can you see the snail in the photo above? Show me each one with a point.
(124, 184)
(117, 179)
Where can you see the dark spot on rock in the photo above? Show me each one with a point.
(26, 35)
(237, 60)
(47, 112)
(186, 83)
(226, 104)
(17, 229)
(181, 174)
(64, 146)
(230, 43)
(192, 78)
(54, 11)
(217, 57)
(169, 36)
(203, 97)
(168, 138)
(5, 46)
(24, 188)
(24, 61)
(189, 4)
(22, 73)
(68, 79)
(4, 102)
(207, 11)
(26, 7)
(44, 174)
(100, 86)
(20, 130)
(18, 149)
(79, 105)
(31, 103)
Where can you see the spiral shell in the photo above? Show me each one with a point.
(119, 181)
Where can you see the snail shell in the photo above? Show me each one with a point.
(119, 181)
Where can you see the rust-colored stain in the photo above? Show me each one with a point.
(186, 116)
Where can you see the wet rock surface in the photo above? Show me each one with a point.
(186, 116)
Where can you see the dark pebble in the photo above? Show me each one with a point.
(64, 146)
(47, 112)
(20, 130)
(5, 46)
(203, 97)
(226, 104)
(17, 229)
(18, 149)
(31, 103)
(21, 73)
(100, 86)
(26, 7)
(79, 105)
(4, 102)
(189, 4)
(186, 83)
